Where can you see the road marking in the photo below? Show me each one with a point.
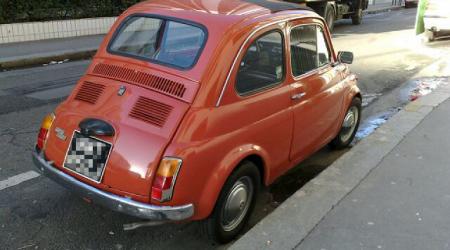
(17, 179)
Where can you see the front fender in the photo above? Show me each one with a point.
(351, 92)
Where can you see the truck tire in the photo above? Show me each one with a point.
(330, 16)
(357, 17)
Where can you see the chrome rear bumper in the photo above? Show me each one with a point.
(112, 201)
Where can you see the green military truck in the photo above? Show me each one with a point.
(335, 10)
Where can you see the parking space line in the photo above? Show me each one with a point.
(17, 179)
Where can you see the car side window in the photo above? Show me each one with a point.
(322, 48)
(262, 65)
(309, 49)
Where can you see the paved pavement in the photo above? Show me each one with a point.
(391, 191)
(404, 202)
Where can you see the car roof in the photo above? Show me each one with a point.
(224, 20)
(276, 6)
(220, 11)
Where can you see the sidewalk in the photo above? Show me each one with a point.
(39, 52)
(404, 202)
(391, 191)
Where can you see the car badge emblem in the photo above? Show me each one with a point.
(61, 134)
(122, 91)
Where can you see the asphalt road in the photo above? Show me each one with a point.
(39, 214)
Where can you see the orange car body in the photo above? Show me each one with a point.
(196, 114)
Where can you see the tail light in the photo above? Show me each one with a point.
(43, 132)
(164, 182)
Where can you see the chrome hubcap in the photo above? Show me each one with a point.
(237, 203)
(350, 122)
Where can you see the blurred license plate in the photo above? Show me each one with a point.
(87, 156)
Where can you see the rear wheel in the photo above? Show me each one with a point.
(349, 126)
(357, 17)
(235, 204)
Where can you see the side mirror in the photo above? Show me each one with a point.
(345, 57)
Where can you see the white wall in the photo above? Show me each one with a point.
(21, 32)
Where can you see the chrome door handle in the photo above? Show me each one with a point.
(298, 96)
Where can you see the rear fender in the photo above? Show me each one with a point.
(228, 164)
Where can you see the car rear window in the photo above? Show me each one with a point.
(159, 40)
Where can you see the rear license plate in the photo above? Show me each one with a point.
(87, 156)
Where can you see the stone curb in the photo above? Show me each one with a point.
(33, 60)
(288, 225)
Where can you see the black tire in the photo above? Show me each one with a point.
(340, 141)
(214, 224)
(357, 17)
(330, 16)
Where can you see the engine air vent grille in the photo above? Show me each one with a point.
(151, 111)
(89, 92)
(140, 78)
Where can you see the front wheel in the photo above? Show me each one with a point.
(235, 204)
(349, 126)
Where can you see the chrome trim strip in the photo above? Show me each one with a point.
(112, 201)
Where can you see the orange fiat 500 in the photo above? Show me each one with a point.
(190, 106)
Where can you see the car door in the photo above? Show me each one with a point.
(316, 93)
(256, 105)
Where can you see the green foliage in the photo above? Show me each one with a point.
(13, 11)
